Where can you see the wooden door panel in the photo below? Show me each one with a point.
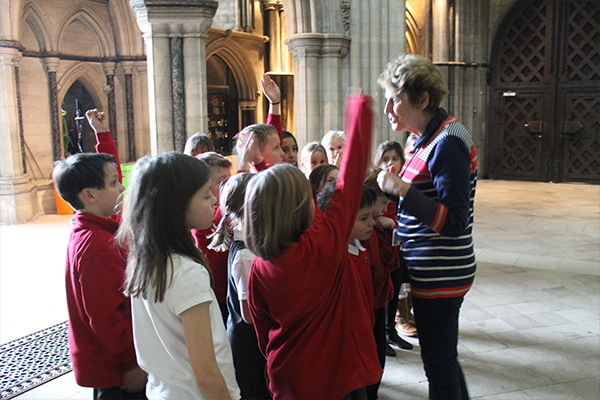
(579, 135)
(521, 132)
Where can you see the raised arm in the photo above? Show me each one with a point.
(273, 94)
(343, 207)
(104, 141)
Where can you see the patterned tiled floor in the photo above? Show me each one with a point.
(530, 327)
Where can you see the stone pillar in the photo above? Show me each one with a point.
(196, 95)
(335, 48)
(51, 64)
(128, 70)
(272, 8)
(109, 71)
(179, 135)
(16, 204)
(163, 22)
(306, 51)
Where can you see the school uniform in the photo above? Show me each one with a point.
(311, 320)
(249, 362)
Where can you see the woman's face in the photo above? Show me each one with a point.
(290, 151)
(401, 113)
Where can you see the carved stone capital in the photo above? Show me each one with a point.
(51, 63)
(319, 44)
(173, 16)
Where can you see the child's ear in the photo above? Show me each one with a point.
(87, 196)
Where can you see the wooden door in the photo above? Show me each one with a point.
(544, 121)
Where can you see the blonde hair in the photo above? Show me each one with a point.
(262, 132)
(214, 160)
(414, 75)
(232, 207)
(277, 210)
(310, 149)
(331, 136)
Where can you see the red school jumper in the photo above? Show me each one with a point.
(307, 304)
(100, 330)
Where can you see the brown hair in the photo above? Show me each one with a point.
(262, 132)
(232, 207)
(387, 146)
(277, 210)
(214, 160)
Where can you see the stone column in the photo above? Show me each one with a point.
(179, 135)
(128, 70)
(16, 203)
(51, 64)
(109, 71)
(335, 48)
(194, 60)
(306, 51)
(161, 22)
(271, 8)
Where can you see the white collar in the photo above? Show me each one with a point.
(355, 248)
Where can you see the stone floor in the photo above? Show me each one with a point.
(530, 327)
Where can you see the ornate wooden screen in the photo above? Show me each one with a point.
(545, 93)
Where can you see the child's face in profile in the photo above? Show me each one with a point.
(335, 150)
(290, 151)
(200, 211)
(217, 177)
(107, 201)
(272, 152)
(391, 158)
(380, 206)
(363, 225)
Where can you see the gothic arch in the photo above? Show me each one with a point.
(105, 45)
(91, 78)
(126, 32)
(37, 23)
(412, 32)
(233, 55)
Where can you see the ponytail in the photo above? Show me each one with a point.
(221, 236)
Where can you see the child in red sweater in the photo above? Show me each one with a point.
(310, 323)
(100, 329)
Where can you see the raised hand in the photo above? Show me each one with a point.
(97, 120)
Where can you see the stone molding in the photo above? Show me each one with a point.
(319, 44)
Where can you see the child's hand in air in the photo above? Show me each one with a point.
(97, 120)
(247, 148)
(270, 89)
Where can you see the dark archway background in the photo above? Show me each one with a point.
(77, 98)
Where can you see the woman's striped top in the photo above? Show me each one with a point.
(435, 218)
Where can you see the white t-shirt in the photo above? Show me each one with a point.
(240, 268)
(160, 341)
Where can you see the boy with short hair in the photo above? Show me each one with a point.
(100, 329)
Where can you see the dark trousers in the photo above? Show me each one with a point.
(358, 394)
(379, 333)
(116, 393)
(392, 306)
(437, 323)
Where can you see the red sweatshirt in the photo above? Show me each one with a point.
(309, 313)
(217, 260)
(100, 332)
